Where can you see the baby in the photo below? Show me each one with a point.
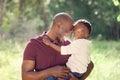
(79, 48)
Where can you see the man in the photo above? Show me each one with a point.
(41, 61)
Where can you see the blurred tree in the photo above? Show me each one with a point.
(21, 8)
(104, 15)
(2, 10)
(43, 12)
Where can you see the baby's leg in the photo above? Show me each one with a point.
(73, 76)
(51, 78)
(77, 75)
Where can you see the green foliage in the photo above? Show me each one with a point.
(104, 15)
(118, 18)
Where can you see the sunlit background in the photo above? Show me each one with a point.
(21, 20)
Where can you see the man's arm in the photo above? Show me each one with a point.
(28, 72)
(89, 69)
(56, 47)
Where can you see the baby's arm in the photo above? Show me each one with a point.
(49, 43)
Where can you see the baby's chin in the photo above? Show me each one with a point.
(79, 38)
(76, 38)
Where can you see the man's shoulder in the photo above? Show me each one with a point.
(34, 41)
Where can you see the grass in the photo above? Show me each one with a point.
(106, 58)
(104, 54)
(10, 60)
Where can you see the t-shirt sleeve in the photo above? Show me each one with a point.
(30, 52)
(77, 46)
(66, 50)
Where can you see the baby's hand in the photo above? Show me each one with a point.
(46, 41)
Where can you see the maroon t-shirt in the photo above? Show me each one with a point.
(43, 55)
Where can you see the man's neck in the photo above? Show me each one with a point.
(52, 35)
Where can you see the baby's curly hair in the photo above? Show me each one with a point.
(86, 23)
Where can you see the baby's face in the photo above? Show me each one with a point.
(80, 31)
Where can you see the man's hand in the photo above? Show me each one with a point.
(28, 72)
(59, 71)
(46, 41)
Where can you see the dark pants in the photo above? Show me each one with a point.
(67, 78)
(51, 78)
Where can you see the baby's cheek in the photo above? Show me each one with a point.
(78, 34)
(83, 33)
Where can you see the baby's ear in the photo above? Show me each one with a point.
(86, 35)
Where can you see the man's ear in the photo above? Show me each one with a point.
(59, 24)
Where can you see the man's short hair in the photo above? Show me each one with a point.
(62, 16)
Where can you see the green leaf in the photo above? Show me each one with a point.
(118, 18)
